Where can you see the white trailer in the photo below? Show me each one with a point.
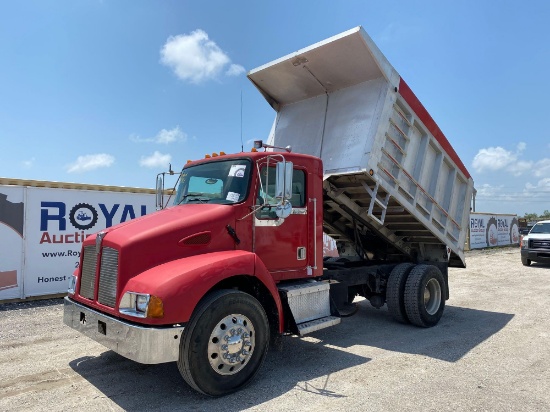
(43, 225)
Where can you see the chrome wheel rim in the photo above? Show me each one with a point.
(231, 344)
(432, 296)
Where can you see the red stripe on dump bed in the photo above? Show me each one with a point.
(434, 129)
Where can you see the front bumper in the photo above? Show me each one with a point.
(143, 344)
(536, 255)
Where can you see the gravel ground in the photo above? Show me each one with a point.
(490, 351)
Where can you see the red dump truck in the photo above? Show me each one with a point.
(235, 259)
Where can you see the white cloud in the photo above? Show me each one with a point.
(518, 168)
(195, 58)
(486, 190)
(90, 162)
(498, 158)
(235, 70)
(542, 185)
(156, 160)
(493, 158)
(163, 137)
(542, 168)
(27, 164)
(539, 191)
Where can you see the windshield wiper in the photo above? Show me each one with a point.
(194, 196)
(199, 198)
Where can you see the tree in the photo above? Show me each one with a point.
(531, 216)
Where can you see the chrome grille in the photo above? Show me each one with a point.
(540, 243)
(108, 277)
(89, 263)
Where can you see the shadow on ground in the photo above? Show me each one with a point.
(133, 386)
(34, 304)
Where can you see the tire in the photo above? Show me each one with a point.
(396, 290)
(224, 318)
(424, 296)
(525, 261)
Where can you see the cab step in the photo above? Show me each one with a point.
(314, 325)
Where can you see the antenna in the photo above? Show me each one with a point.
(242, 145)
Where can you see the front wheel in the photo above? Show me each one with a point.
(424, 296)
(224, 344)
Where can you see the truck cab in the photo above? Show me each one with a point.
(245, 222)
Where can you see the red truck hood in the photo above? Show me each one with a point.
(168, 234)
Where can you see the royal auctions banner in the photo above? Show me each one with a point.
(42, 230)
(490, 230)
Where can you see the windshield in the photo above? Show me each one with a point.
(221, 182)
(541, 228)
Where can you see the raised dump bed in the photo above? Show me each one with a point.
(393, 183)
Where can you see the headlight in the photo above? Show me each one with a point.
(524, 242)
(141, 305)
(72, 284)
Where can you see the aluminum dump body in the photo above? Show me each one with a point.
(387, 165)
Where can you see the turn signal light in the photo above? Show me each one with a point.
(155, 309)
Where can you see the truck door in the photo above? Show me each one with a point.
(282, 244)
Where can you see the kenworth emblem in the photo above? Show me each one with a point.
(98, 240)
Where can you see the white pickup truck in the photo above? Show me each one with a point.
(535, 247)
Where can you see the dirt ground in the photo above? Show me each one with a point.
(490, 351)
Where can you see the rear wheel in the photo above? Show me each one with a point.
(424, 297)
(224, 344)
(396, 290)
(525, 261)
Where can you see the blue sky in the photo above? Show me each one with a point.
(108, 92)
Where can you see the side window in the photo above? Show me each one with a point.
(298, 189)
(266, 197)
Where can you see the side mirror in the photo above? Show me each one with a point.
(283, 181)
(159, 201)
(283, 188)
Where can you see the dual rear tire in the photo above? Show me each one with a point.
(416, 294)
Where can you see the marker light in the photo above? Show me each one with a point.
(207, 156)
(253, 150)
(258, 144)
(189, 161)
(214, 154)
(222, 153)
(155, 308)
